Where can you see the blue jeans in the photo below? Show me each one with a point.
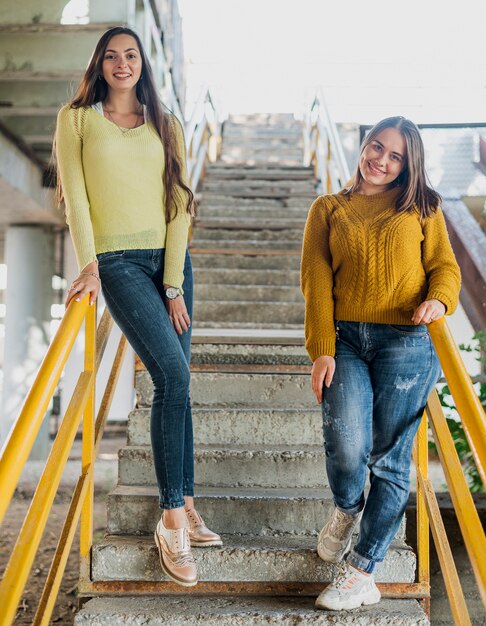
(132, 284)
(371, 412)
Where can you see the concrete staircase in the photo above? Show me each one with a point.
(259, 457)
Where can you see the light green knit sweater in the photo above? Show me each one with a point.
(362, 261)
(114, 192)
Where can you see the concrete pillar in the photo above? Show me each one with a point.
(29, 256)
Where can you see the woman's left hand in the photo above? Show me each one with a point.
(428, 311)
(178, 314)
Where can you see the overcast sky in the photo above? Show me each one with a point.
(422, 58)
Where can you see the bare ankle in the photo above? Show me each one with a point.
(188, 503)
(174, 518)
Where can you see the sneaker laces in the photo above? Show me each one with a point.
(340, 523)
(341, 577)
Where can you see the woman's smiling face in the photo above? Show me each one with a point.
(382, 161)
(122, 62)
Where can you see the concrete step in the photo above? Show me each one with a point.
(246, 235)
(257, 245)
(255, 223)
(243, 335)
(245, 262)
(275, 215)
(262, 120)
(258, 141)
(250, 327)
(245, 131)
(249, 312)
(222, 276)
(243, 427)
(45, 51)
(240, 558)
(276, 391)
(269, 191)
(235, 466)
(224, 171)
(254, 512)
(248, 293)
(250, 158)
(240, 610)
(134, 510)
(290, 187)
(250, 354)
(212, 199)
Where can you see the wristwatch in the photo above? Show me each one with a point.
(171, 293)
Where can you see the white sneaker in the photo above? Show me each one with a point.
(335, 538)
(349, 590)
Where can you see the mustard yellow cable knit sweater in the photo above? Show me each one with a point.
(114, 190)
(362, 261)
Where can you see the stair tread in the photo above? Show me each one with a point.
(317, 493)
(243, 449)
(248, 335)
(263, 410)
(253, 543)
(238, 610)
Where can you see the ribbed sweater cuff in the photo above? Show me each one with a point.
(322, 348)
(444, 298)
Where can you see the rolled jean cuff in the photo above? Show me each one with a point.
(356, 560)
(171, 499)
(188, 490)
(353, 510)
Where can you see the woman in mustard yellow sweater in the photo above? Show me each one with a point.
(377, 266)
(121, 162)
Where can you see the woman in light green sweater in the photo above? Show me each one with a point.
(121, 166)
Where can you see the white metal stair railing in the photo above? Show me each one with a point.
(203, 137)
(322, 147)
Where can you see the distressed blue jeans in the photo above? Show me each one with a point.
(371, 412)
(132, 284)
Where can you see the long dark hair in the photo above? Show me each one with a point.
(415, 193)
(94, 89)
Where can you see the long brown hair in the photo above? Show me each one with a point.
(93, 88)
(415, 193)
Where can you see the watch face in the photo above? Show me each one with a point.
(171, 293)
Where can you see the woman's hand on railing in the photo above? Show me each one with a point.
(322, 374)
(88, 281)
(428, 311)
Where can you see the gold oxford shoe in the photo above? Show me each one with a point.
(175, 554)
(199, 533)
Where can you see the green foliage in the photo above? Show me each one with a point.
(455, 426)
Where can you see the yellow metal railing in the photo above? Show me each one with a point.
(474, 423)
(19, 444)
(322, 149)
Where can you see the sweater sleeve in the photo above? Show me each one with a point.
(441, 268)
(317, 283)
(178, 227)
(69, 158)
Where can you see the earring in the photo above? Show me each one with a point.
(100, 77)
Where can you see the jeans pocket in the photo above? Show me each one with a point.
(410, 331)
